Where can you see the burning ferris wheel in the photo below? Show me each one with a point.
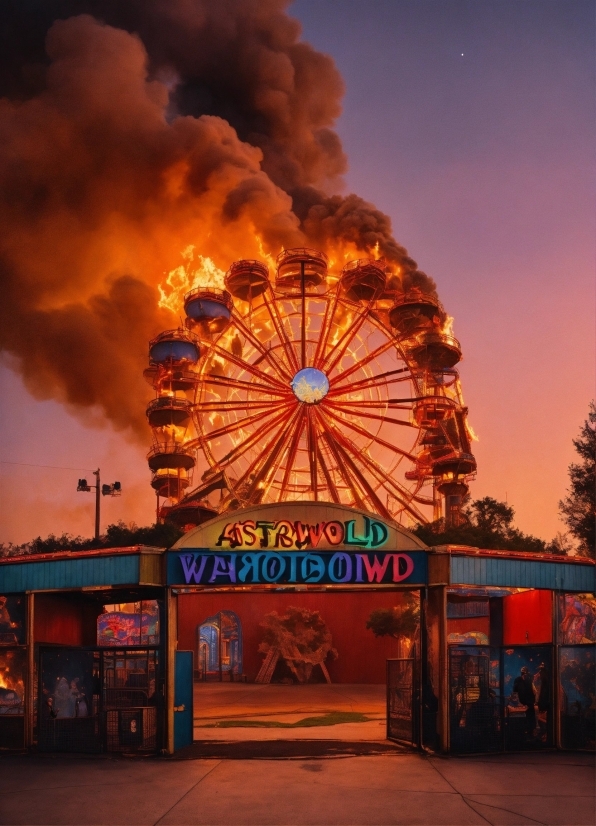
(311, 385)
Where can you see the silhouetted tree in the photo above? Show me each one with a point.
(401, 623)
(579, 506)
(118, 535)
(489, 524)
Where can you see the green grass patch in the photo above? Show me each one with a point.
(333, 718)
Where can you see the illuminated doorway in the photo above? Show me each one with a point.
(219, 647)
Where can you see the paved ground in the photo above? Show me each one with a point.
(387, 786)
(218, 702)
(546, 788)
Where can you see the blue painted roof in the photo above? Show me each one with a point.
(121, 566)
(510, 572)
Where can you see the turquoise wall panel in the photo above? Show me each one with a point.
(63, 574)
(521, 573)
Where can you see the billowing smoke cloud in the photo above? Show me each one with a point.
(130, 129)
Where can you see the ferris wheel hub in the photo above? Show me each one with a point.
(310, 385)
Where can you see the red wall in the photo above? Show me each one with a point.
(361, 655)
(57, 620)
(65, 621)
(527, 618)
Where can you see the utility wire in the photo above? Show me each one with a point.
(53, 467)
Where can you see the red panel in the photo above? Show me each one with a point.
(528, 618)
(57, 620)
(463, 625)
(361, 658)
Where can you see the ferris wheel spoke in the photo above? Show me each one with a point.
(262, 431)
(342, 345)
(344, 463)
(381, 380)
(360, 430)
(245, 365)
(266, 465)
(365, 415)
(325, 330)
(362, 362)
(341, 467)
(293, 450)
(330, 483)
(281, 334)
(394, 404)
(238, 384)
(238, 404)
(402, 494)
(397, 491)
(240, 423)
(312, 454)
(265, 353)
(345, 448)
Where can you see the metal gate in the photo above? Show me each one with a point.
(98, 700)
(403, 701)
(474, 704)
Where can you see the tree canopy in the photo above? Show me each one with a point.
(489, 524)
(578, 508)
(118, 535)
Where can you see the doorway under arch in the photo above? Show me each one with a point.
(219, 647)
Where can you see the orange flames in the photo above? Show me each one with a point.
(196, 271)
(447, 326)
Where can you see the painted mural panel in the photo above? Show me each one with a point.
(577, 619)
(577, 697)
(467, 638)
(12, 619)
(13, 665)
(67, 683)
(130, 623)
(219, 645)
(527, 690)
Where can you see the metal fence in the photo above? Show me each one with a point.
(403, 703)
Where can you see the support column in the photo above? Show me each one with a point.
(171, 647)
(30, 691)
(438, 664)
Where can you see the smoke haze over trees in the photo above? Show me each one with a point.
(130, 131)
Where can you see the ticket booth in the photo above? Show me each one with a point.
(511, 651)
(82, 652)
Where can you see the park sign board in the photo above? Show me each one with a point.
(238, 568)
(297, 543)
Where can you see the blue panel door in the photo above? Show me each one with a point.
(183, 700)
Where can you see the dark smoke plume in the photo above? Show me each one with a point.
(131, 129)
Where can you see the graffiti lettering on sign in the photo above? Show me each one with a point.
(211, 568)
(284, 534)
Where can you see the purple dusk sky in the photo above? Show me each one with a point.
(472, 125)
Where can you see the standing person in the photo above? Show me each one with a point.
(543, 677)
(525, 691)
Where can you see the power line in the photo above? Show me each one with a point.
(52, 467)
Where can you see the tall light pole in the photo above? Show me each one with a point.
(114, 489)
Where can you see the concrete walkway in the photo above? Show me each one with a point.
(547, 788)
(215, 703)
